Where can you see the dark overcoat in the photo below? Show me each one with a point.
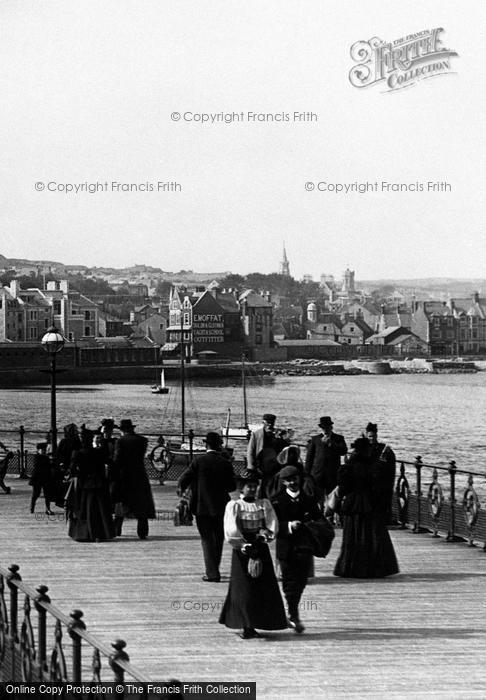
(211, 478)
(323, 459)
(133, 487)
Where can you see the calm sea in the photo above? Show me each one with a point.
(440, 417)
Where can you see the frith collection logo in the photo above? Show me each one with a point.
(400, 63)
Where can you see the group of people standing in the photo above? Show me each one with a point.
(283, 498)
(98, 478)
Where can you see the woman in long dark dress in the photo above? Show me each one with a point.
(366, 549)
(88, 503)
(252, 601)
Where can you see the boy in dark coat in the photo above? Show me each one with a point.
(41, 479)
(293, 508)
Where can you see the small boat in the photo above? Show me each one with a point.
(239, 432)
(160, 388)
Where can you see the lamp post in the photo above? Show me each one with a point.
(53, 342)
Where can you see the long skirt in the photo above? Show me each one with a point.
(366, 549)
(253, 602)
(92, 519)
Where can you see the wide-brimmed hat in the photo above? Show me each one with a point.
(283, 456)
(126, 425)
(325, 421)
(249, 476)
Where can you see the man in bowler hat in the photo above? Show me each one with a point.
(324, 454)
(133, 492)
(211, 478)
(293, 508)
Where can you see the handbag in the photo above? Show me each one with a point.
(182, 512)
(333, 502)
(317, 536)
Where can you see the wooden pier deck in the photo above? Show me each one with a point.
(420, 634)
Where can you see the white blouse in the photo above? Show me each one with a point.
(242, 517)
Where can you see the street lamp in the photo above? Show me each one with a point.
(53, 342)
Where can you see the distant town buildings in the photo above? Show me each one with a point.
(226, 322)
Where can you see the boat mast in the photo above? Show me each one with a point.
(243, 382)
(183, 398)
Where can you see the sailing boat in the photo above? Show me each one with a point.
(185, 446)
(159, 388)
(239, 432)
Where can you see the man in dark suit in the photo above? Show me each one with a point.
(211, 478)
(293, 508)
(133, 492)
(263, 449)
(324, 454)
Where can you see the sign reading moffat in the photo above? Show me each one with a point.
(400, 63)
(207, 328)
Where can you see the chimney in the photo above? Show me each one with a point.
(14, 288)
(475, 297)
(64, 286)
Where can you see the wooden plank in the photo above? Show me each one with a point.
(420, 634)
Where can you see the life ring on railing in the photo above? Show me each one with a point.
(402, 491)
(472, 506)
(435, 498)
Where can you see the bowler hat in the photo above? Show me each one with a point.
(41, 446)
(269, 417)
(213, 438)
(108, 423)
(325, 421)
(372, 428)
(288, 472)
(126, 425)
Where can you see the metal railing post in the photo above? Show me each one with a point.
(76, 624)
(417, 528)
(41, 629)
(191, 443)
(22, 474)
(451, 536)
(14, 607)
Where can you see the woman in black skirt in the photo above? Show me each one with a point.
(254, 598)
(366, 549)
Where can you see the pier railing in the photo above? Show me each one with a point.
(39, 643)
(427, 498)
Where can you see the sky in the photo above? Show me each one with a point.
(109, 95)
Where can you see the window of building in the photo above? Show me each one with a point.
(258, 339)
(70, 336)
(161, 326)
(57, 306)
(186, 319)
(87, 315)
(46, 323)
(87, 330)
(32, 315)
(351, 329)
(33, 333)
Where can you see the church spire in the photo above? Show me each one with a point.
(284, 265)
